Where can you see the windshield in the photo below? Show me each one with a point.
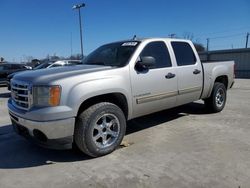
(114, 54)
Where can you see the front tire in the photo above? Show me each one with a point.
(100, 129)
(216, 102)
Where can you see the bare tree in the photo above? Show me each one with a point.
(188, 35)
(28, 58)
(1, 60)
(75, 57)
(199, 47)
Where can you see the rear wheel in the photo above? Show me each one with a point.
(100, 129)
(216, 102)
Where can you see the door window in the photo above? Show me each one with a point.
(159, 51)
(184, 54)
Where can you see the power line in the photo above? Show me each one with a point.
(221, 32)
(228, 36)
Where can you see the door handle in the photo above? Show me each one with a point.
(170, 75)
(196, 71)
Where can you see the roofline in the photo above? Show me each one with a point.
(238, 50)
(149, 39)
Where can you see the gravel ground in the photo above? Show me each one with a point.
(182, 147)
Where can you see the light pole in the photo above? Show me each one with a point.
(247, 39)
(208, 44)
(78, 7)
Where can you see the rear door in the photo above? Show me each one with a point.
(152, 89)
(189, 72)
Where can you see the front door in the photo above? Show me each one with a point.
(155, 88)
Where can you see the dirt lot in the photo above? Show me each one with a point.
(183, 147)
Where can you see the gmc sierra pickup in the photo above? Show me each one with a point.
(88, 105)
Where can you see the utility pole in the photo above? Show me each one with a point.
(207, 44)
(247, 39)
(71, 44)
(78, 7)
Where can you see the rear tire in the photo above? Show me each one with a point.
(216, 102)
(100, 129)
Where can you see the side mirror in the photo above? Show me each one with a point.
(145, 63)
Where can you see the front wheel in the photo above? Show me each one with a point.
(100, 129)
(216, 102)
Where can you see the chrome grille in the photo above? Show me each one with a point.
(21, 95)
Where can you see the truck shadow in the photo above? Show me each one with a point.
(16, 152)
(165, 116)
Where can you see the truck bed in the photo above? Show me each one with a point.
(211, 70)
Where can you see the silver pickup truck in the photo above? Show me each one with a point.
(87, 106)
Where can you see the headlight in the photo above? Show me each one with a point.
(46, 95)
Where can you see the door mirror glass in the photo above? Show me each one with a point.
(145, 63)
(148, 61)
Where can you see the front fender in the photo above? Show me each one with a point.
(92, 88)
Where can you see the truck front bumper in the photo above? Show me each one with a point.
(56, 134)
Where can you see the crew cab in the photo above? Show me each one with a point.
(87, 106)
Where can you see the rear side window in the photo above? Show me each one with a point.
(184, 53)
(159, 51)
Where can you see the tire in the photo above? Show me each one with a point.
(216, 102)
(99, 129)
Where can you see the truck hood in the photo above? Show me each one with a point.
(45, 76)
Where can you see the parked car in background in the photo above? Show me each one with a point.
(59, 63)
(9, 68)
(65, 63)
(49, 64)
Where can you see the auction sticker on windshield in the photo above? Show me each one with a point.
(130, 44)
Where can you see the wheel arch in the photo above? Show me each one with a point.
(222, 79)
(118, 99)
